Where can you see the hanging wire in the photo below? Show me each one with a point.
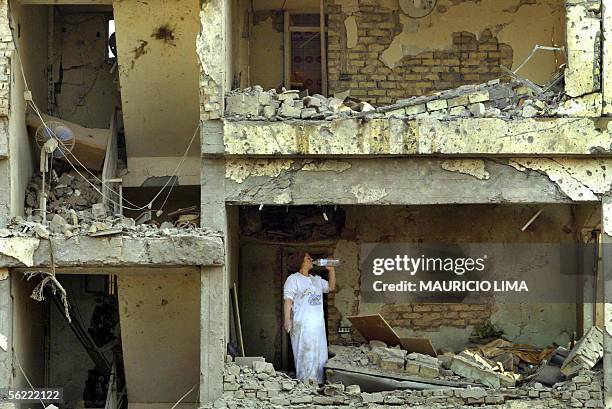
(173, 177)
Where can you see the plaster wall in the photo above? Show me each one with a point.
(158, 72)
(86, 91)
(160, 328)
(32, 23)
(534, 323)
(28, 334)
(266, 45)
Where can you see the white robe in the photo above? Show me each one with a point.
(308, 337)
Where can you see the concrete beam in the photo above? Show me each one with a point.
(607, 277)
(6, 330)
(583, 25)
(392, 137)
(114, 251)
(401, 181)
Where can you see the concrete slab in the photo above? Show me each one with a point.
(124, 251)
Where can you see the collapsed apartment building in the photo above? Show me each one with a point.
(322, 126)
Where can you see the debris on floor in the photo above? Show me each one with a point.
(587, 352)
(259, 385)
(74, 207)
(493, 99)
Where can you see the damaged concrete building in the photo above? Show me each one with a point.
(161, 161)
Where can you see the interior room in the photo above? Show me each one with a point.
(268, 237)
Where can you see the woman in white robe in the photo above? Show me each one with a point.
(304, 319)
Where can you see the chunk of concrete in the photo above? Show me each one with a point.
(472, 366)
(288, 111)
(263, 367)
(98, 211)
(587, 352)
(248, 360)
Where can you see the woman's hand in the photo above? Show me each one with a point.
(288, 325)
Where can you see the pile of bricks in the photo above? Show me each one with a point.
(256, 104)
(494, 99)
(258, 385)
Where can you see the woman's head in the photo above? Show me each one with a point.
(300, 260)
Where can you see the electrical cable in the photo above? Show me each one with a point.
(173, 176)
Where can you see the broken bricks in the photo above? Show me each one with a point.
(587, 352)
(470, 365)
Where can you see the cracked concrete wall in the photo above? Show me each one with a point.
(607, 56)
(580, 180)
(211, 49)
(86, 91)
(386, 181)
(583, 74)
(464, 137)
(377, 181)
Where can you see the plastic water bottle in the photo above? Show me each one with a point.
(326, 262)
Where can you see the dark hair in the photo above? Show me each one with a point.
(296, 260)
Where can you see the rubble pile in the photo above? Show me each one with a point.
(378, 357)
(255, 103)
(256, 384)
(74, 208)
(494, 99)
(467, 365)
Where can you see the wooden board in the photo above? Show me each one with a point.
(374, 327)
(419, 345)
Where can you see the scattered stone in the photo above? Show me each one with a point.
(477, 109)
(58, 224)
(98, 211)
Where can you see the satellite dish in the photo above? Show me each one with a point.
(61, 132)
(417, 8)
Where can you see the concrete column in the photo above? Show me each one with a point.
(607, 56)
(6, 327)
(213, 324)
(607, 276)
(214, 295)
(583, 34)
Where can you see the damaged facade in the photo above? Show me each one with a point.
(212, 140)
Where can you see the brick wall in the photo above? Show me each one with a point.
(430, 317)
(469, 60)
